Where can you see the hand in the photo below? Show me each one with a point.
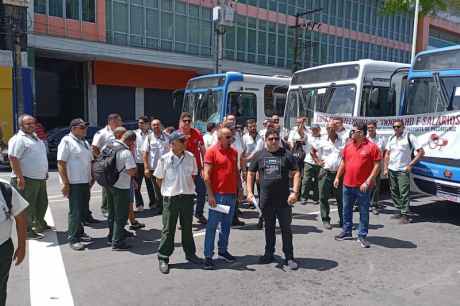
(19, 255)
(364, 187)
(336, 183)
(408, 168)
(147, 173)
(320, 163)
(65, 190)
(91, 184)
(292, 198)
(212, 201)
(385, 172)
(21, 183)
(250, 198)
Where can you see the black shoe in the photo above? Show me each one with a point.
(364, 243)
(237, 222)
(396, 216)
(260, 223)
(343, 236)
(77, 246)
(34, 235)
(85, 238)
(136, 225)
(356, 208)
(238, 212)
(227, 256)
(266, 259)
(194, 259)
(91, 220)
(209, 264)
(127, 234)
(121, 246)
(202, 219)
(164, 266)
(327, 225)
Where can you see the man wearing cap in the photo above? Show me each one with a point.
(100, 139)
(155, 146)
(175, 174)
(310, 189)
(74, 165)
(29, 162)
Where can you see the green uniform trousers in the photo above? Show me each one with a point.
(6, 257)
(104, 206)
(36, 195)
(180, 206)
(400, 188)
(326, 189)
(78, 204)
(310, 189)
(375, 192)
(117, 205)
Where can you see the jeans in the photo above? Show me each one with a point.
(200, 189)
(350, 196)
(225, 220)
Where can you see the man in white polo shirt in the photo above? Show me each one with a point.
(175, 174)
(142, 133)
(310, 188)
(74, 165)
(155, 145)
(12, 205)
(118, 194)
(101, 139)
(29, 161)
(398, 164)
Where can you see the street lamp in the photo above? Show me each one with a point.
(296, 33)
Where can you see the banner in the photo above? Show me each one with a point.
(438, 134)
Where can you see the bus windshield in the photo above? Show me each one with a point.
(336, 99)
(424, 95)
(204, 107)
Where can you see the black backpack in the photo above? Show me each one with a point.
(298, 153)
(7, 193)
(105, 167)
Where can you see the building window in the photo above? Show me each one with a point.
(55, 8)
(40, 6)
(72, 9)
(88, 10)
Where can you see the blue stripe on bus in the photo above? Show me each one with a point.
(437, 171)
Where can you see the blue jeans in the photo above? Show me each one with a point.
(200, 189)
(225, 220)
(351, 196)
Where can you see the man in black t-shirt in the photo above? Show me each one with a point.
(274, 165)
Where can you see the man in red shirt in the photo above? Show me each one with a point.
(195, 145)
(360, 166)
(223, 184)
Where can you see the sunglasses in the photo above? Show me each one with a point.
(397, 126)
(81, 127)
(228, 137)
(276, 120)
(273, 139)
(355, 131)
(186, 121)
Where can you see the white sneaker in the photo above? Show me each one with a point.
(292, 264)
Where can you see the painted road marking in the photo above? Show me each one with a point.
(48, 280)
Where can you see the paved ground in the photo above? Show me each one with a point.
(415, 264)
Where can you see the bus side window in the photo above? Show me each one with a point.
(274, 100)
(243, 106)
(375, 103)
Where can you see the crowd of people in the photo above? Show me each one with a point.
(183, 168)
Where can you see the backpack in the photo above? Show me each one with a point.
(105, 167)
(298, 152)
(7, 193)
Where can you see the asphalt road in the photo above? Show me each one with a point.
(414, 264)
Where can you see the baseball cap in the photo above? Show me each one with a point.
(176, 135)
(78, 122)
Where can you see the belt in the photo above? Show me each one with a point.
(179, 196)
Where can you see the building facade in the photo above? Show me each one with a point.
(93, 57)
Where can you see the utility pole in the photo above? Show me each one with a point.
(17, 69)
(296, 27)
(414, 33)
(222, 16)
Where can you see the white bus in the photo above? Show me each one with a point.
(211, 97)
(359, 88)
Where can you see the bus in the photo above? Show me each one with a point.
(432, 108)
(347, 89)
(211, 97)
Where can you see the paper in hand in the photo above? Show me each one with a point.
(225, 209)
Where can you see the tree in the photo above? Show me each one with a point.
(427, 7)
